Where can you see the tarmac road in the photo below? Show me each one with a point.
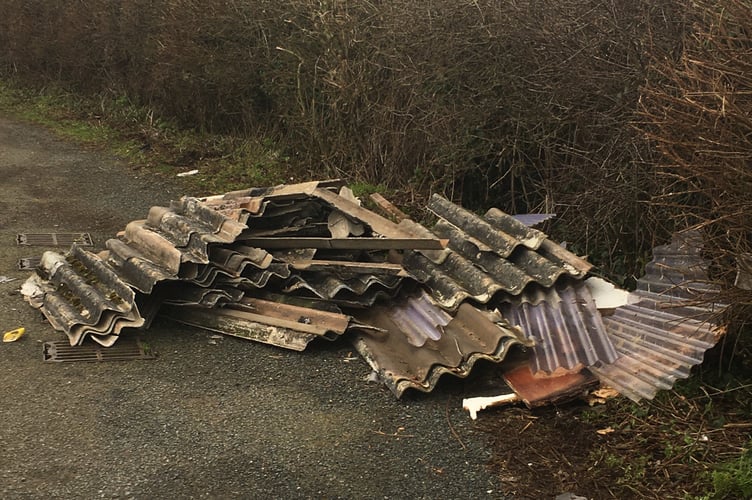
(234, 419)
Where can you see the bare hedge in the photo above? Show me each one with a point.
(699, 119)
(527, 105)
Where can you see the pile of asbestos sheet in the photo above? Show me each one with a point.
(288, 264)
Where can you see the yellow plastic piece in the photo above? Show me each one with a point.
(14, 335)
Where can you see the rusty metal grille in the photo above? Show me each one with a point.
(124, 350)
(54, 239)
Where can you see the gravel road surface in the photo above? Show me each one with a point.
(208, 418)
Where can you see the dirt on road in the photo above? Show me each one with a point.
(208, 418)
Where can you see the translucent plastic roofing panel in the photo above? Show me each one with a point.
(566, 327)
(666, 330)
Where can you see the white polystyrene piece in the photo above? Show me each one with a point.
(606, 295)
(474, 405)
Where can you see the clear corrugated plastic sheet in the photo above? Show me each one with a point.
(667, 328)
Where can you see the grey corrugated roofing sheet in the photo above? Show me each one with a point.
(193, 253)
(486, 256)
(668, 328)
(285, 325)
(80, 294)
(357, 288)
(413, 344)
(565, 326)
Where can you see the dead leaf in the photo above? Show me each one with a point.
(605, 392)
(600, 396)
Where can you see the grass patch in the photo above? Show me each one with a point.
(149, 143)
(55, 110)
(732, 479)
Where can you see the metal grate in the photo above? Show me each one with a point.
(54, 239)
(29, 263)
(124, 350)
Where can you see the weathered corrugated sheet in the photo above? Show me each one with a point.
(195, 253)
(667, 330)
(284, 325)
(362, 289)
(499, 261)
(81, 295)
(565, 326)
(486, 255)
(415, 343)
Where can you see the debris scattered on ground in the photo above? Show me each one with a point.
(188, 173)
(543, 389)
(290, 264)
(6, 279)
(13, 335)
(474, 405)
(601, 395)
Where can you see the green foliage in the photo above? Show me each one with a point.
(138, 134)
(732, 480)
(364, 189)
(55, 109)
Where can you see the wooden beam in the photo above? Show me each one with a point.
(405, 243)
(378, 223)
(355, 267)
(388, 207)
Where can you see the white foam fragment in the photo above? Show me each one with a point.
(605, 294)
(474, 405)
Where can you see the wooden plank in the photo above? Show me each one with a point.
(295, 317)
(574, 264)
(406, 243)
(388, 207)
(355, 267)
(250, 317)
(378, 223)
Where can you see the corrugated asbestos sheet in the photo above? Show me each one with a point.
(486, 256)
(415, 342)
(215, 263)
(82, 296)
(666, 332)
(196, 253)
(276, 323)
